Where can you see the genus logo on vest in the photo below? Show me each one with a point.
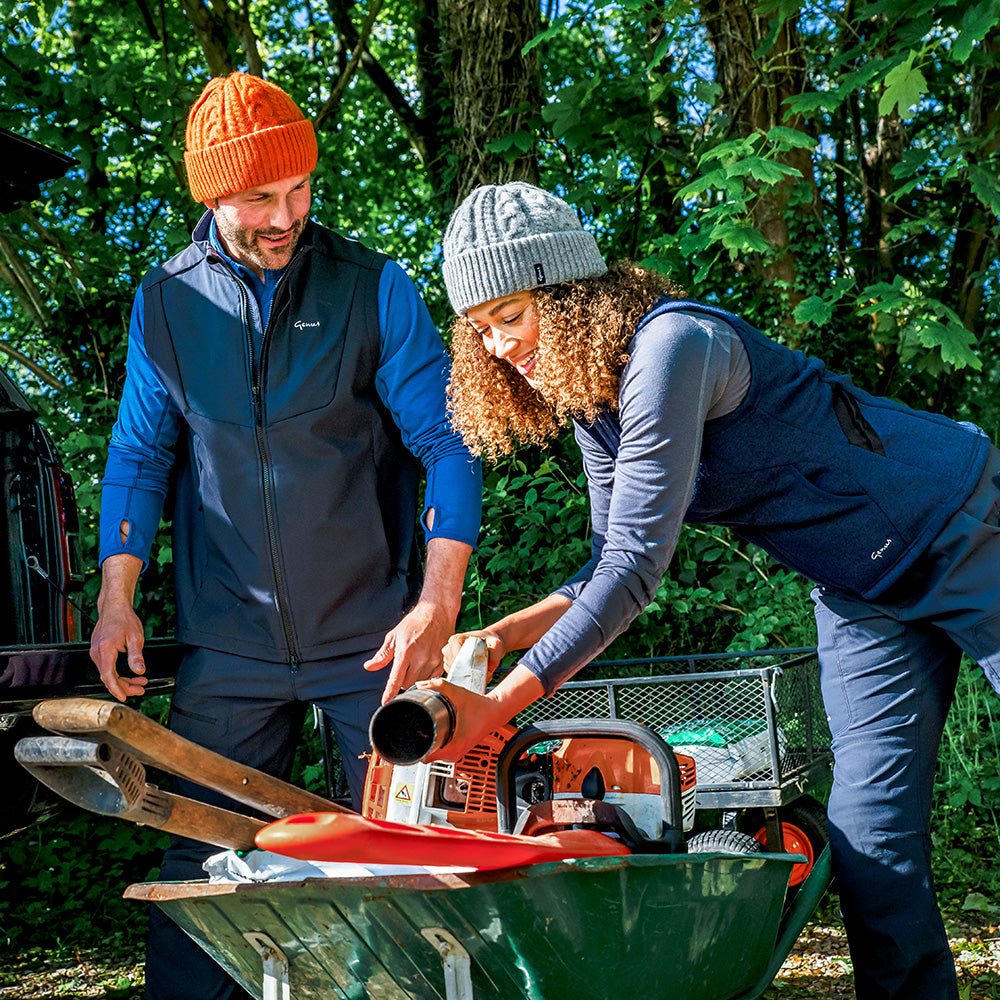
(878, 552)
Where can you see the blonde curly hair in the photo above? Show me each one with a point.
(584, 329)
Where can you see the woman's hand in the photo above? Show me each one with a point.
(477, 715)
(495, 648)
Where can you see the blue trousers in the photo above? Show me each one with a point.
(252, 712)
(888, 672)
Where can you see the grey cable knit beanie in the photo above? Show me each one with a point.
(512, 237)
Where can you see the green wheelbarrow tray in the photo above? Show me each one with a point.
(662, 927)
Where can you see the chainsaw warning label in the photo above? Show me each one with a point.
(403, 794)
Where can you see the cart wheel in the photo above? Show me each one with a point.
(803, 831)
(723, 842)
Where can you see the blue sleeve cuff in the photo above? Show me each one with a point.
(455, 494)
(139, 509)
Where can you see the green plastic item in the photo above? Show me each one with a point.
(713, 732)
(663, 927)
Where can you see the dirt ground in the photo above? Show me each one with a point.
(818, 969)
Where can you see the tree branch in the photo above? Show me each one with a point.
(211, 37)
(22, 359)
(394, 97)
(147, 17)
(352, 64)
(238, 23)
(16, 275)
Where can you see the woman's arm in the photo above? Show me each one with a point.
(476, 715)
(518, 630)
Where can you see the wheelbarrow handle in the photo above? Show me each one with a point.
(155, 745)
(105, 779)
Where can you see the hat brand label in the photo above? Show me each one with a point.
(539, 274)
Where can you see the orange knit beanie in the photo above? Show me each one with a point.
(243, 132)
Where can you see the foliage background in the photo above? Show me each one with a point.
(827, 170)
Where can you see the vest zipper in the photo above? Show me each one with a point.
(266, 472)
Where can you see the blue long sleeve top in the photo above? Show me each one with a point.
(410, 379)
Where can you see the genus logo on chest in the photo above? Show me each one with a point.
(301, 324)
(878, 552)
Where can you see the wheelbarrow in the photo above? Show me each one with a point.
(649, 927)
(658, 923)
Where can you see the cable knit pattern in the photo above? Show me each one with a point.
(511, 237)
(243, 132)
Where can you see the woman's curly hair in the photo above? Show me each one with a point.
(584, 329)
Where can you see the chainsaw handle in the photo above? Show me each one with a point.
(670, 780)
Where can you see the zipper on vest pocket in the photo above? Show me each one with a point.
(852, 422)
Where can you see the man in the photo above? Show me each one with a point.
(282, 383)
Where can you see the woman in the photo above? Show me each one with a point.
(685, 412)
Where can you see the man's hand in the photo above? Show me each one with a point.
(413, 648)
(118, 628)
(414, 645)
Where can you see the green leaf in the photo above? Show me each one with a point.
(814, 309)
(739, 238)
(769, 172)
(707, 91)
(790, 138)
(562, 116)
(863, 76)
(985, 186)
(553, 31)
(815, 100)
(953, 340)
(977, 22)
(904, 86)
(714, 178)
(978, 903)
(501, 145)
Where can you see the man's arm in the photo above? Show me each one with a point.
(118, 628)
(414, 646)
(411, 382)
(140, 457)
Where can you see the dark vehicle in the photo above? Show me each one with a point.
(42, 623)
(40, 576)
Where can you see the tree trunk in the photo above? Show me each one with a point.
(216, 26)
(494, 89)
(975, 246)
(754, 86)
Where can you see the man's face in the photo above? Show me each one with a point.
(260, 227)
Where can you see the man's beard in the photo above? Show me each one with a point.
(246, 244)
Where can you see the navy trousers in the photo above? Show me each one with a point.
(888, 673)
(252, 712)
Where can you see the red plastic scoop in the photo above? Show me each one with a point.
(349, 837)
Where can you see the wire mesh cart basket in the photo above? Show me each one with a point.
(753, 722)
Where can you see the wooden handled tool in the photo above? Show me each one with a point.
(97, 761)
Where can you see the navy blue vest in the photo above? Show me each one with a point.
(294, 523)
(847, 488)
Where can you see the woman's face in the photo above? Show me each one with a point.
(509, 328)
